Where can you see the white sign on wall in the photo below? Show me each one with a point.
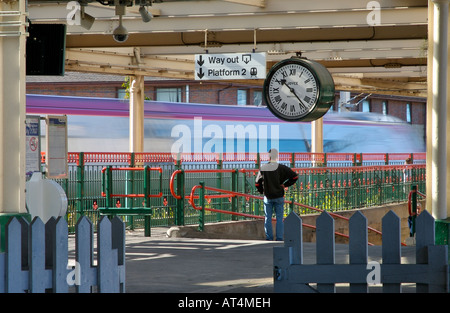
(56, 158)
(230, 66)
(33, 144)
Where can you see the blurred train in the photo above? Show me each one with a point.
(102, 125)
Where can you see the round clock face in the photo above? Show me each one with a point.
(293, 90)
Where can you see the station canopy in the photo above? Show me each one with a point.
(368, 46)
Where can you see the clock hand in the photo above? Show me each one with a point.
(291, 89)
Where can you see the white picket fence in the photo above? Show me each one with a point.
(430, 273)
(36, 257)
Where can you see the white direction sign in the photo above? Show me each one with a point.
(230, 66)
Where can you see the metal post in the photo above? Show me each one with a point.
(258, 160)
(80, 185)
(219, 185)
(413, 208)
(439, 111)
(129, 189)
(108, 186)
(234, 187)
(147, 218)
(201, 218)
(179, 218)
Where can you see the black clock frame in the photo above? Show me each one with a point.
(325, 87)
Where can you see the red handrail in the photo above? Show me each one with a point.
(176, 172)
(172, 179)
(234, 194)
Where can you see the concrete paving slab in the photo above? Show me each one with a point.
(192, 265)
(159, 264)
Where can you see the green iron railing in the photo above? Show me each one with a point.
(332, 181)
(330, 189)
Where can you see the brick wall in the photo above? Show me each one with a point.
(199, 92)
(104, 90)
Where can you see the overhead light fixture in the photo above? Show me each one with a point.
(146, 15)
(86, 19)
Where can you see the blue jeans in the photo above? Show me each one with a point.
(271, 205)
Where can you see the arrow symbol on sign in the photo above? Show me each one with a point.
(200, 74)
(246, 58)
(200, 61)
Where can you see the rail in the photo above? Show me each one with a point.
(334, 190)
(227, 193)
(293, 158)
(374, 180)
(177, 172)
(146, 210)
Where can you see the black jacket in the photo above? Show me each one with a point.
(272, 177)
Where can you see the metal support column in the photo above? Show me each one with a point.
(317, 136)
(137, 114)
(439, 111)
(12, 111)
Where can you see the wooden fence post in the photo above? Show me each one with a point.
(358, 246)
(430, 272)
(59, 258)
(107, 279)
(36, 256)
(391, 246)
(84, 271)
(16, 279)
(325, 246)
(39, 280)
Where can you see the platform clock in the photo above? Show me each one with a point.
(298, 89)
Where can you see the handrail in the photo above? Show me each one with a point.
(176, 172)
(192, 203)
(285, 201)
(172, 179)
(234, 194)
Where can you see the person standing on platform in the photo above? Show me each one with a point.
(272, 179)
